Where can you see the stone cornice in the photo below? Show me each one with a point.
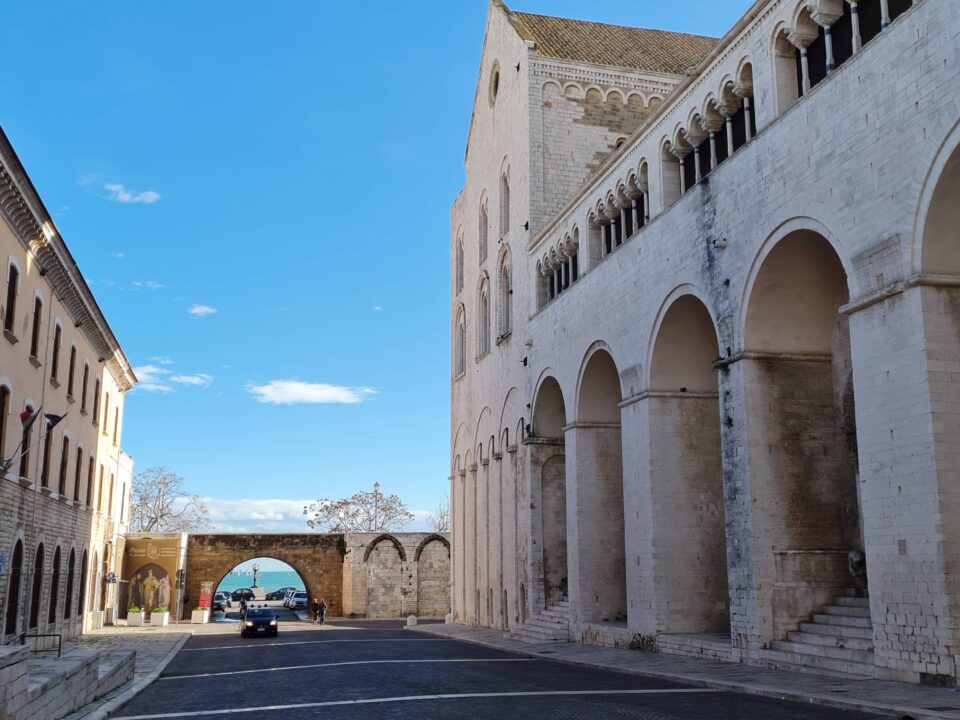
(24, 211)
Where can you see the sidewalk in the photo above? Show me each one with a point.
(902, 700)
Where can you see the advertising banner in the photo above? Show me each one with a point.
(206, 594)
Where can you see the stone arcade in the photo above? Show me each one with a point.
(705, 330)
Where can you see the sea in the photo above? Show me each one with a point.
(269, 581)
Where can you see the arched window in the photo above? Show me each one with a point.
(96, 401)
(89, 494)
(71, 369)
(54, 587)
(460, 350)
(116, 423)
(35, 334)
(81, 595)
(100, 491)
(36, 588)
(484, 225)
(25, 439)
(64, 462)
(504, 297)
(13, 282)
(483, 320)
(68, 599)
(4, 418)
(77, 472)
(110, 496)
(106, 411)
(55, 356)
(13, 589)
(83, 389)
(459, 268)
(47, 445)
(504, 206)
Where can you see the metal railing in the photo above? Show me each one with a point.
(58, 636)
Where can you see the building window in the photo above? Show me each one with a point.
(116, 423)
(460, 351)
(25, 443)
(45, 468)
(64, 462)
(504, 297)
(459, 268)
(110, 496)
(77, 472)
(35, 590)
(55, 359)
(504, 206)
(483, 233)
(13, 281)
(83, 583)
(483, 321)
(13, 590)
(54, 587)
(35, 334)
(68, 599)
(83, 388)
(96, 401)
(100, 490)
(88, 496)
(4, 420)
(106, 411)
(70, 370)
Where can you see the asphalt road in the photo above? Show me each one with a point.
(370, 669)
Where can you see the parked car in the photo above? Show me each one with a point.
(259, 621)
(287, 595)
(242, 594)
(221, 601)
(280, 593)
(298, 600)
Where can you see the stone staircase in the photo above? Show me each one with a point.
(551, 625)
(838, 640)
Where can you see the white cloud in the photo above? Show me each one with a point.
(152, 378)
(159, 379)
(201, 310)
(197, 380)
(162, 359)
(148, 284)
(292, 392)
(275, 515)
(377, 308)
(119, 193)
(118, 255)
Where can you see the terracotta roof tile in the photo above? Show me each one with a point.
(602, 44)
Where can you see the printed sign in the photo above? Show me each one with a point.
(206, 594)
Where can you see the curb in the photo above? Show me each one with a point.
(902, 712)
(130, 689)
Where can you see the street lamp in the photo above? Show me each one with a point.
(376, 506)
(256, 570)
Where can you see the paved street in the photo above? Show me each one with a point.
(369, 669)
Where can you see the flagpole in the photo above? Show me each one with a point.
(28, 423)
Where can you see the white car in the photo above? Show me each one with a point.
(298, 600)
(286, 598)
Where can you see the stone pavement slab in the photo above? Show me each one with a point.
(902, 700)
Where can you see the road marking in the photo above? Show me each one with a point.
(411, 698)
(345, 662)
(315, 642)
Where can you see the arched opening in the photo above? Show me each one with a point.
(13, 589)
(686, 473)
(433, 577)
(548, 464)
(941, 227)
(102, 578)
(384, 560)
(54, 588)
(803, 475)
(258, 581)
(786, 72)
(36, 588)
(25, 440)
(68, 598)
(598, 468)
(82, 591)
(670, 175)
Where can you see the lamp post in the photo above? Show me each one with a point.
(376, 506)
(256, 570)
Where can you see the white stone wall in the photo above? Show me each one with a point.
(853, 162)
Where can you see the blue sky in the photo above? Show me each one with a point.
(259, 193)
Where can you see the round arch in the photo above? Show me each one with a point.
(688, 290)
(381, 538)
(430, 538)
(600, 352)
(548, 405)
(936, 242)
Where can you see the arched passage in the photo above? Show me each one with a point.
(384, 560)
(798, 379)
(13, 590)
(598, 467)
(546, 453)
(433, 577)
(686, 473)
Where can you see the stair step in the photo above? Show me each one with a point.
(526, 635)
(846, 631)
(846, 610)
(838, 653)
(814, 663)
(852, 601)
(831, 640)
(842, 620)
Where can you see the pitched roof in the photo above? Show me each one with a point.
(603, 44)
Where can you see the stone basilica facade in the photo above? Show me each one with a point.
(705, 337)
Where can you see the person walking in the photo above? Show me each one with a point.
(316, 610)
(322, 610)
(243, 609)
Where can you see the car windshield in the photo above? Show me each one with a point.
(260, 614)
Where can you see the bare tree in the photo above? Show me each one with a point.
(160, 504)
(362, 512)
(439, 519)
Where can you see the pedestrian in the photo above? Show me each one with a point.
(315, 607)
(322, 610)
(243, 609)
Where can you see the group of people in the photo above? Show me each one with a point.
(319, 608)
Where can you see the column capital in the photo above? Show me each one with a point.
(712, 122)
(801, 37)
(695, 134)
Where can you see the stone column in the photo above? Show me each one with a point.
(680, 152)
(711, 122)
(884, 13)
(727, 110)
(800, 38)
(855, 21)
(825, 16)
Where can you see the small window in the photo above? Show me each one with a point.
(71, 369)
(83, 388)
(504, 206)
(64, 463)
(483, 226)
(55, 359)
(4, 410)
(25, 440)
(77, 472)
(459, 268)
(116, 423)
(96, 400)
(106, 412)
(13, 280)
(494, 83)
(35, 335)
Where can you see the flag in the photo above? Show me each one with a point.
(28, 418)
(53, 419)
